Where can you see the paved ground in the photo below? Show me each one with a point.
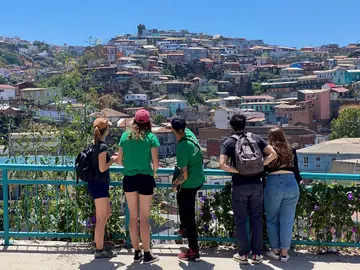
(55, 255)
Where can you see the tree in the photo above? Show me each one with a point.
(158, 119)
(347, 124)
(141, 28)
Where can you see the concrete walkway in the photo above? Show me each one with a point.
(59, 255)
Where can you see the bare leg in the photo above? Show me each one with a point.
(145, 207)
(132, 199)
(103, 212)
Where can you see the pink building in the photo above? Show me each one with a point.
(320, 100)
(295, 114)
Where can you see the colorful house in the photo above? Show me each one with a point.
(40, 96)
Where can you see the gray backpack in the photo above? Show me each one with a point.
(249, 158)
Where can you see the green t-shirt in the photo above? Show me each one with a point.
(190, 156)
(137, 153)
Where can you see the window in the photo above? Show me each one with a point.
(48, 94)
(318, 166)
(38, 93)
(317, 158)
(333, 159)
(306, 160)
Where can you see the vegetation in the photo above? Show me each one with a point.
(158, 119)
(347, 124)
(324, 214)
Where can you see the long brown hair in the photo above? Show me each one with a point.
(139, 130)
(97, 133)
(281, 146)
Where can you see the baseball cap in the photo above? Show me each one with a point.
(142, 116)
(102, 123)
(178, 122)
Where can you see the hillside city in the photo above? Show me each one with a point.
(204, 78)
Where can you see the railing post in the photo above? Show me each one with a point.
(127, 223)
(5, 188)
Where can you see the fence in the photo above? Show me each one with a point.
(45, 203)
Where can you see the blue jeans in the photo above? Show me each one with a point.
(281, 196)
(248, 199)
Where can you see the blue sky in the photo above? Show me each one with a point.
(285, 22)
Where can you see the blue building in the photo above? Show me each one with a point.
(319, 157)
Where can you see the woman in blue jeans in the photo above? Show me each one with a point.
(281, 195)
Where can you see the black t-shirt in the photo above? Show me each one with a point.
(228, 149)
(294, 168)
(98, 149)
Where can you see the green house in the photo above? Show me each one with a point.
(40, 96)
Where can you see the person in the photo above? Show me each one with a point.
(190, 179)
(138, 147)
(247, 189)
(281, 195)
(99, 186)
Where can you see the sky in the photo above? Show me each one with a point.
(278, 22)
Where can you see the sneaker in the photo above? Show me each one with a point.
(150, 258)
(138, 256)
(272, 255)
(183, 233)
(285, 258)
(104, 253)
(257, 259)
(106, 247)
(190, 255)
(241, 259)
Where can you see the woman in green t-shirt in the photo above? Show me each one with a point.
(138, 149)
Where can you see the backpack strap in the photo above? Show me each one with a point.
(196, 144)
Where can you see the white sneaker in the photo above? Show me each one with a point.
(285, 259)
(272, 255)
(257, 259)
(241, 259)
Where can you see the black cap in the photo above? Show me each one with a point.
(178, 122)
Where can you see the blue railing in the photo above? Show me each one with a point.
(34, 198)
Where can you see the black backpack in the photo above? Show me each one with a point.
(249, 158)
(84, 166)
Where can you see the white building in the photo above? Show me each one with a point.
(135, 97)
(7, 92)
(224, 114)
(324, 74)
(291, 72)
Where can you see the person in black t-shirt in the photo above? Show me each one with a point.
(99, 186)
(247, 193)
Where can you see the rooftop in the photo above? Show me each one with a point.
(112, 113)
(258, 97)
(6, 86)
(338, 146)
(314, 91)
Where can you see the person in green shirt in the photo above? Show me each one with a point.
(190, 179)
(138, 149)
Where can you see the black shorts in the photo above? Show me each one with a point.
(98, 189)
(144, 184)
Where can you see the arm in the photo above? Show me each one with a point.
(120, 156)
(270, 154)
(296, 168)
(183, 176)
(103, 165)
(223, 164)
(155, 144)
(155, 158)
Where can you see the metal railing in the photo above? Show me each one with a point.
(39, 207)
